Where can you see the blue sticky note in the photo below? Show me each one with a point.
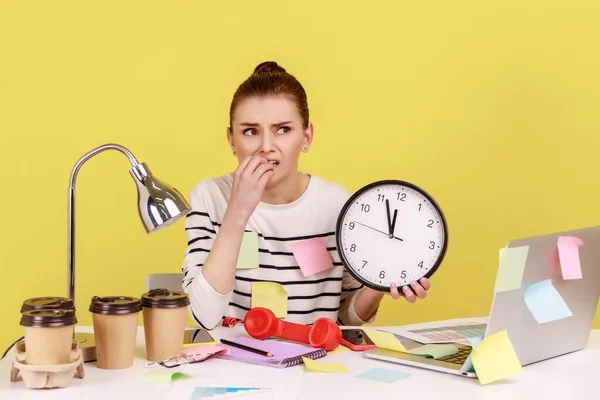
(468, 365)
(545, 303)
(383, 375)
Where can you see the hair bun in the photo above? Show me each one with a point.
(268, 66)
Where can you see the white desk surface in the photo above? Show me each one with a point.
(572, 376)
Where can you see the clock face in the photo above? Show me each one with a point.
(391, 232)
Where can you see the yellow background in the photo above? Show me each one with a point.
(492, 107)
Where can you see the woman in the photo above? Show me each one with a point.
(268, 129)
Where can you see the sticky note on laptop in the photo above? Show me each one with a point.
(434, 350)
(248, 256)
(568, 255)
(270, 295)
(312, 256)
(468, 365)
(545, 303)
(495, 358)
(511, 267)
(385, 340)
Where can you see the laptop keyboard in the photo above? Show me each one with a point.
(458, 358)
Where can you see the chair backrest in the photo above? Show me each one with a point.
(171, 282)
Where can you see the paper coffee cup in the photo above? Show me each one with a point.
(115, 321)
(164, 315)
(48, 336)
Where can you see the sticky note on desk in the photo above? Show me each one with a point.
(510, 270)
(248, 256)
(545, 303)
(383, 375)
(312, 256)
(495, 358)
(468, 365)
(435, 350)
(165, 376)
(385, 340)
(322, 366)
(568, 254)
(270, 295)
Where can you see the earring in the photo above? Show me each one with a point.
(234, 153)
(305, 149)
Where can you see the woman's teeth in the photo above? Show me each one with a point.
(274, 162)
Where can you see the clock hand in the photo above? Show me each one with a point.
(389, 219)
(393, 224)
(377, 230)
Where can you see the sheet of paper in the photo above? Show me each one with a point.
(495, 358)
(270, 295)
(568, 254)
(511, 267)
(248, 256)
(468, 365)
(435, 350)
(312, 256)
(545, 303)
(165, 376)
(383, 375)
(385, 340)
(323, 366)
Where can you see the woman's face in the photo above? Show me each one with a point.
(270, 127)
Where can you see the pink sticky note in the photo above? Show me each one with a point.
(568, 254)
(312, 256)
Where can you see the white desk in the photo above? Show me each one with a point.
(575, 375)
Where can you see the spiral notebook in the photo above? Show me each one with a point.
(285, 354)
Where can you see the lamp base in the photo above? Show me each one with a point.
(87, 344)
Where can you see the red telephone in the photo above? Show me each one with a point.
(261, 323)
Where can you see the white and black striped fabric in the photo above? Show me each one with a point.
(328, 294)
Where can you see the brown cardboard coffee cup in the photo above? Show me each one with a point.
(164, 323)
(48, 336)
(115, 321)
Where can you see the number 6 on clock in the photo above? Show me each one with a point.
(391, 231)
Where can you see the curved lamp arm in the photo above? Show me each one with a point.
(159, 204)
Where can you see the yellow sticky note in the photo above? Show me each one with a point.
(270, 295)
(248, 256)
(386, 340)
(495, 358)
(321, 366)
(339, 350)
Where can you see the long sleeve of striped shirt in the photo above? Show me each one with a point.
(329, 293)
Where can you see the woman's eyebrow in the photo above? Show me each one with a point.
(256, 124)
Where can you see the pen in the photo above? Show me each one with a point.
(247, 348)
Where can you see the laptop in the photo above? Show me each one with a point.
(532, 342)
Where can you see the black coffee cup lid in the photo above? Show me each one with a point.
(48, 318)
(47, 303)
(115, 305)
(164, 298)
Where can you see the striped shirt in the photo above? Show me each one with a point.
(330, 293)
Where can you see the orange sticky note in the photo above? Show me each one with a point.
(568, 254)
(495, 358)
(312, 256)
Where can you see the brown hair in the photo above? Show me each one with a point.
(269, 79)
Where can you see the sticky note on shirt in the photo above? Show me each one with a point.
(248, 256)
(383, 375)
(468, 365)
(511, 267)
(270, 295)
(312, 256)
(568, 254)
(435, 350)
(322, 366)
(545, 303)
(385, 340)
(165, 377)
(495, 358)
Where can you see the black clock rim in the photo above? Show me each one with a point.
(357, 194)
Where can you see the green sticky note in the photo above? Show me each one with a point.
(510, 270)
(435, 350)
(165, 376)
(248, 257)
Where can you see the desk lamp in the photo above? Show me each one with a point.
(159, 205)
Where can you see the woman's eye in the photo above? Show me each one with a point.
(283, 129)
(249, 132)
